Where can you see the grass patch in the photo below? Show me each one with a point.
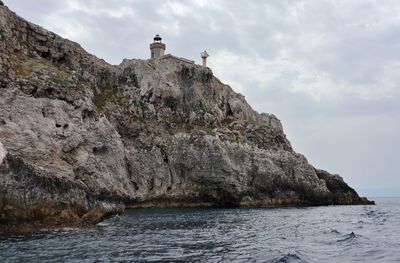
(58, 79)
(21, 69)
(109, 93)
(58, 69)
(56, 73)
(191, 140)
(208, 130)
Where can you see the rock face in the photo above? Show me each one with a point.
(81, 139)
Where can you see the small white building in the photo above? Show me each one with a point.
(204, 56)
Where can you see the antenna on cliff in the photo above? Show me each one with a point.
(204, 56)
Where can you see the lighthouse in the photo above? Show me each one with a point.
(204, 56)
(157, 48)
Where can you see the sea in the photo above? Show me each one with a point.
(310, 234)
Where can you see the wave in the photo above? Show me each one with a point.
(348, 237)
(111, 220)
(288, 258)
(334, 231)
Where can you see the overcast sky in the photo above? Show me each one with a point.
(328, 69)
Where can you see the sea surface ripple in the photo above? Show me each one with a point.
(313, 234)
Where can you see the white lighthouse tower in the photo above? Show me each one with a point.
(204, 56)
(157, 48)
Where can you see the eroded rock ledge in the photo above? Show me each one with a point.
(81, 139)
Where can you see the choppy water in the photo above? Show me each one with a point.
(316, 234)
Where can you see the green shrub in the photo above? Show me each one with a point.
(57, 79)
(208, 130)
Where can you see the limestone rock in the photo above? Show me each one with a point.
(2, 153)
(81, 139)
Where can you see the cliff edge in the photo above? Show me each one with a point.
(81, 139)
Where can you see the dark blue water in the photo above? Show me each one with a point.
(316, 234)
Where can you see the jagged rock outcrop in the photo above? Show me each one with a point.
(81, 139)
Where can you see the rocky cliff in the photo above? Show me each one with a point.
(81, 139)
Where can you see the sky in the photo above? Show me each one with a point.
(328, 69)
